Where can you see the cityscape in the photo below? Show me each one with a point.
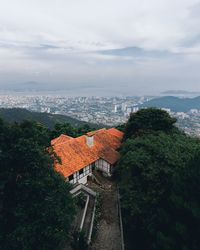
(108, 111)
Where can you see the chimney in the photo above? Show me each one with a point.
(90, 140)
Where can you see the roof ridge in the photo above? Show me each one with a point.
(95, 131)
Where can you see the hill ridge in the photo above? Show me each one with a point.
(176, 104)
(47, 119)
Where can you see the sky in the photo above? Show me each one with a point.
(107, 47)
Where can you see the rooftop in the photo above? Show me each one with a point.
(76, 154)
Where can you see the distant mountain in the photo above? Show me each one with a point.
(174, 103)
(180, 92)
(49, 120)
(134, 52)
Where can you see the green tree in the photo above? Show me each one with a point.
(148, 120)
(63, 128)
(79, 241)
(67, 129)
(159, 185)
(84, 129)
(36, 206)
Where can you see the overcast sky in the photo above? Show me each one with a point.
(101, 46)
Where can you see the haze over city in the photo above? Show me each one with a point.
(100, 47)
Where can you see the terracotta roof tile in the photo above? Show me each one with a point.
(96, 131)
(116, 132)
(75, 154)
(61, 139)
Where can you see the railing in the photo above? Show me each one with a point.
(84, 212)
(92, 223)
(76, 191)
(83, 188)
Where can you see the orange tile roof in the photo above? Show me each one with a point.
(61, 139)
(91, 133)
(116, 132)
(75, 154)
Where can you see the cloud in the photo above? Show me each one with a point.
(89, 24)
(142, 43)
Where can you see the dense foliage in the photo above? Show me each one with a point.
(68, 129)
(159, 174)
(148, 120)
(35, 203)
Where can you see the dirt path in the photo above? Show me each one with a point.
(108, 234)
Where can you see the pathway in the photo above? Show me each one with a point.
(108, 235)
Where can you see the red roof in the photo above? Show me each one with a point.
(62, 138)
(75, 154)
(116, 132)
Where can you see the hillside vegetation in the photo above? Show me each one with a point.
(159, 176)
(174, 103)
(35, 204)
(49, 120)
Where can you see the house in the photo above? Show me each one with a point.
(80, 156)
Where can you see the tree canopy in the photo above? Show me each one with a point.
(68, 129)
(159, 175)
(36, 206)
(148, 120)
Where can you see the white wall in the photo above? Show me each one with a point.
(83, 180)
(103, 166)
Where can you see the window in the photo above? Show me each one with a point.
(71, 177)
(81, 171)
(93, 165)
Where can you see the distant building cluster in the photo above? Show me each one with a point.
(109, 111)
(99, 110)
(187, 121)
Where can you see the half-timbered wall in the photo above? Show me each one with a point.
(81, 175)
